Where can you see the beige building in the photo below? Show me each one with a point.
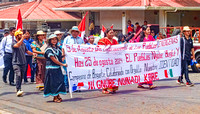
(117, 12)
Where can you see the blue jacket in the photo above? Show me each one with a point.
(28, 44)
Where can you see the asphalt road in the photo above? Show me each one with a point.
(168, 97)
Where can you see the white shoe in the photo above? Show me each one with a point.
(19, 93)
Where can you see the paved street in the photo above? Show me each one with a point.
(169, 97)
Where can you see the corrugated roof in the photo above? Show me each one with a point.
(39, 10)
(103, 3)
(176, 3)
(124, 3)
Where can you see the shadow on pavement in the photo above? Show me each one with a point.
(170, 79)
(166, 87)
(100, 95)
(6, 93)
(30, 93)
(196, 83)
(25, 93)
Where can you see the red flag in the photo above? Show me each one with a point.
(80, 84)
(81, 26)
(111, 26)
(28, 72)
(102, 31)
(19, 21)
(103, 28)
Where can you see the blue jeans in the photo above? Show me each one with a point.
(184, 70)
(29, 62)
(34, 65)
(8, 67)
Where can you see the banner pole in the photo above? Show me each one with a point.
(70, 89)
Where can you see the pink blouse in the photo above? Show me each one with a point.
(150, 38)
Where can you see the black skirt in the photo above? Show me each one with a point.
(54, 82)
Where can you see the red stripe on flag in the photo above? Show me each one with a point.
(29, 72)
(111, 26)
(166, 73)
(81, 26)
(103, 28)
(19, 21)
(80, 84)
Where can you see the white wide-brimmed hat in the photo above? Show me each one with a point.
(51, 36)
(58, 32)
(186, 28)
(40, 33)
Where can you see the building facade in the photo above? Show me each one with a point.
(117, 12)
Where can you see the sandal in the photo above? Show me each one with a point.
(105, 92)
(41, 88)
(140, 86)
(56, 99)
(59, 98)
(152, 87)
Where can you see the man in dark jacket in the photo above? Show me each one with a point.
(186, 49)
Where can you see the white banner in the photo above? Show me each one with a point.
(96, 66)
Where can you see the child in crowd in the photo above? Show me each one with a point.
(91, 40)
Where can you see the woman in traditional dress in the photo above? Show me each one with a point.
(54, 79)
(108, 40)
(38, 47)
(64, 69)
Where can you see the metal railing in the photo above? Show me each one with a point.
(195, 34)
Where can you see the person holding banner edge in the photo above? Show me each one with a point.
(186, 45)
(108, 40)
(145, 37)
(72, 39)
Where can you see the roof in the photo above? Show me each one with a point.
(176, 3)
(39, 10)
(104, 3)
(130, 5)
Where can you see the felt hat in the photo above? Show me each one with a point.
(74, 28)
